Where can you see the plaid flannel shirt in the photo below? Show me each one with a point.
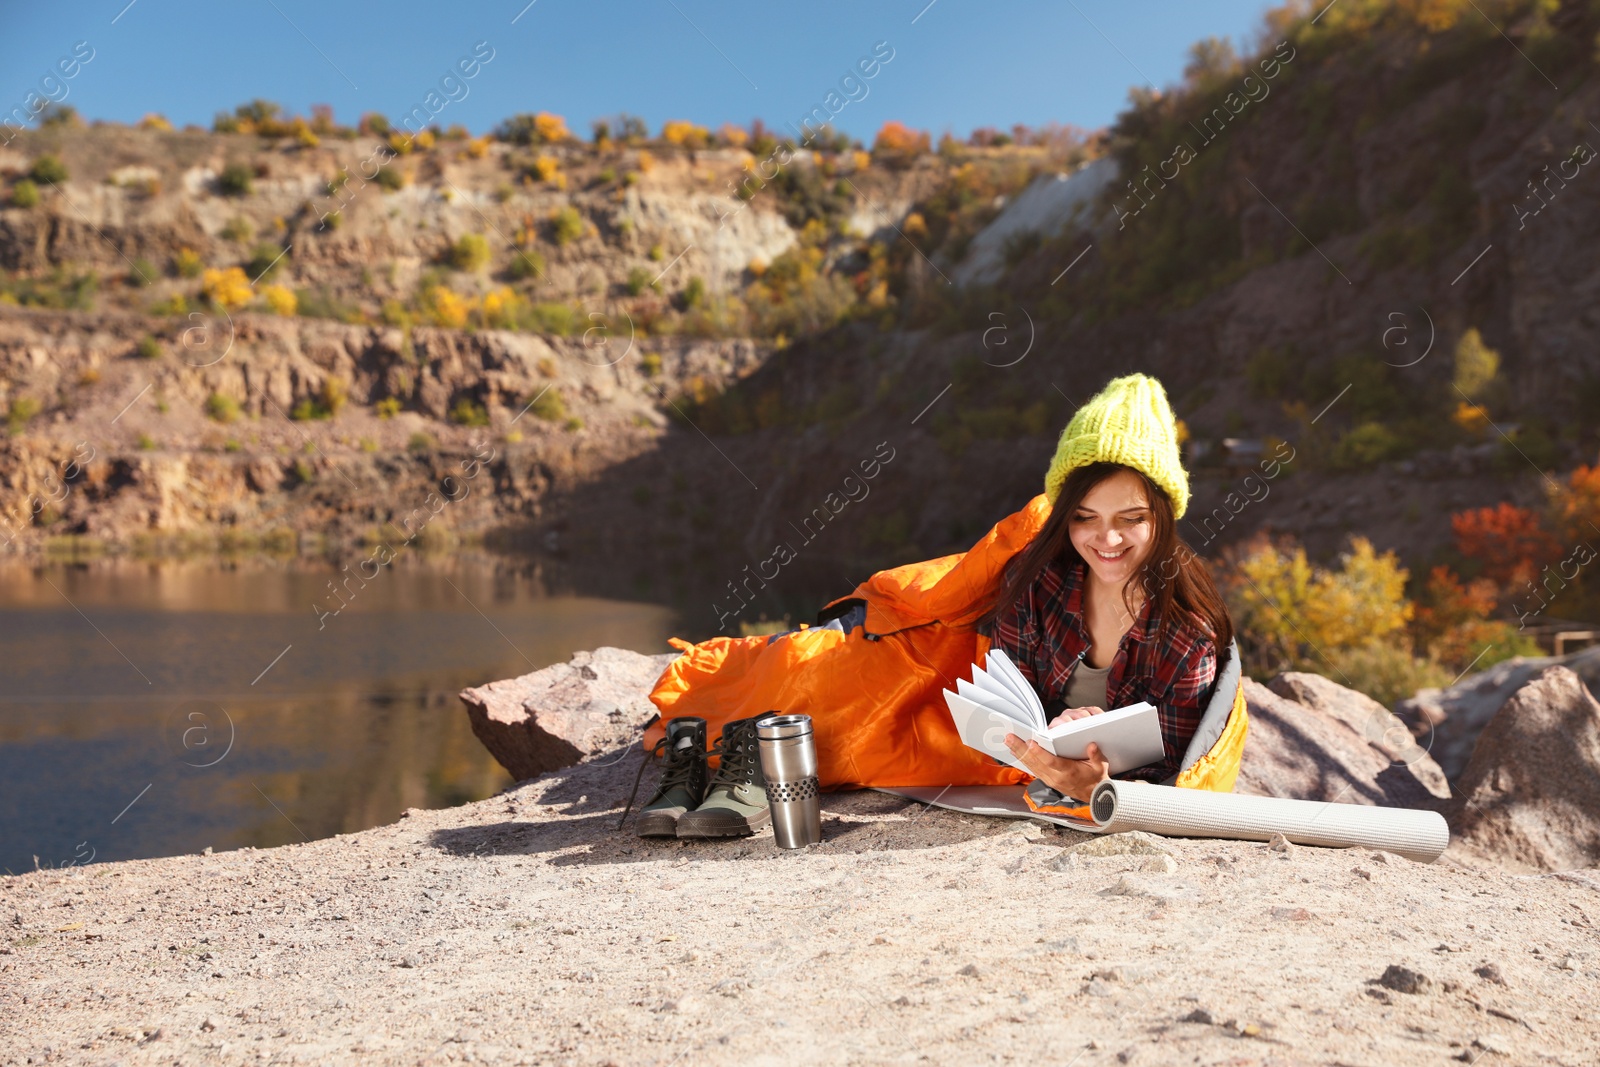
(1045, 636)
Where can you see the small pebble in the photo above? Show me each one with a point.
(1490, 972)
(1494, 1043)
(1404, 980)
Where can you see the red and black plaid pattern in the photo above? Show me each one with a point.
(1044, 634)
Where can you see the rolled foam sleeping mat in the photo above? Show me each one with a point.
(1159, 809)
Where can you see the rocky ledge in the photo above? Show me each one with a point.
(527, 929)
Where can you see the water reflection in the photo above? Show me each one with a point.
(157, 708)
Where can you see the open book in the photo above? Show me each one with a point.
(1000, 701)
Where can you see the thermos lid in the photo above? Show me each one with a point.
(782, 727)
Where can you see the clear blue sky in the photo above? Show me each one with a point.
(961, 64)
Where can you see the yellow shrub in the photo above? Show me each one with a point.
(1435, 16)
(1470, 417)
(861, 160)
(153, 121)
(228, 288)
(1293, 615)
(478, 147)
(502, 307)
(426, 140)
(1476, 364)
(401, 142)
(546, 168)
(733, 136)
(445, 307)
(280, 298)
(647, 162)
(686, 134)
(550, 128)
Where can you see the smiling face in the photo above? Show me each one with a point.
(1112, 528)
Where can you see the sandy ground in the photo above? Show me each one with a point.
(524, 929)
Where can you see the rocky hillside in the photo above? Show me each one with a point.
(235, 336)
(1334, 244)
(1327, 250)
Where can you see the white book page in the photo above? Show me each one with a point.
(997, 662)
(984, 729)
(1000, 664)
(1000, 705)
(997, 690)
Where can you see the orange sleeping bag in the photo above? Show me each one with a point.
(874, 694)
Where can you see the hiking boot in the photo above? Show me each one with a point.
(683, 779)
(736, 803)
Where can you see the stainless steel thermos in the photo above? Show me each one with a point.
(789, 763)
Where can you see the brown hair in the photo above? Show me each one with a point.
(1172, 575)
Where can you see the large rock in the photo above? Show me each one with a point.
(1447, 721)
(1379, 726)
(1324, 749)
(1531, 792)
(557, 716)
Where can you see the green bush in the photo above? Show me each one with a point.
(1365, 445)
(470, 252)
(188, 263)
(549, 406)
(420, 442)
(326, 404)
(566, 225)
(222, 408)
(639, 280)
(60, 289)
(694, 293)
(48, 169)
(143, 272)
(1386, 671)
(557, 319)
(388, 407)
(303, 472)
(237, 229)
(264, 262)
(1270, 373)
(23, 409)
(526, 263)
(148, 348)
(236, 179)
(146, 443)
(389, 179)
(469, 413)
(25, 194)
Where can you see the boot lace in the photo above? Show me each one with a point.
(741, 760)
(679, 770)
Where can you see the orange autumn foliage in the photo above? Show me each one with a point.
(897, 141)
(1577, 505)
(1510, 542)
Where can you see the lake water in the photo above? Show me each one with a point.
(150, 709)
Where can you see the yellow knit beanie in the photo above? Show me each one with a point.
(1127, 422)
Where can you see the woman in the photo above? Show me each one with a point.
(1088, 618)
(1091, 572)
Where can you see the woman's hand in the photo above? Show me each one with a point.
(1070, 777)
(1068, 714)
